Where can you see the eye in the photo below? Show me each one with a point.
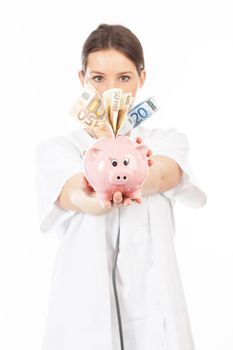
(114, 162)
(124, 78)
(126, 161)
(98, 78)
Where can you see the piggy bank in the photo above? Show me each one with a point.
(116, 164)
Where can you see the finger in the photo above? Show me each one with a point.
(149, 152)
(84, 184)
(117, 205)
(150, 162)
(105, 203)
(88, 184)
(138, 200)
(127, 201)
(117, 197)
(138, 139)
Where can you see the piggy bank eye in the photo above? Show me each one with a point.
(126, 161)
(114, 162)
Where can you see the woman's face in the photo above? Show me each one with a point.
(107, 69)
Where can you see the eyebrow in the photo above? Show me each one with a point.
(122, 73)
(95, 72)
(101, 73)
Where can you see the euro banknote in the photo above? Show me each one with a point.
(112, 100)
(111, 114)
(117, 105)
(139, 114)
(90, 110)
(126, 102)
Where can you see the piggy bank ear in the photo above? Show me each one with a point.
(92, 153)
(142, 149)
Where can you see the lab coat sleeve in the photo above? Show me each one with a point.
(174, 144)
(56, 161)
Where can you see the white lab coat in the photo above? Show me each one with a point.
(82, 313)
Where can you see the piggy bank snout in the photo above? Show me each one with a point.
(120, 177)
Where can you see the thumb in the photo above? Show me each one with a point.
(85, 185)
(83, 182)
(105, 203)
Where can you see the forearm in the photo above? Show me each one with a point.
(64, 199)
(153, 180)
(163, 175)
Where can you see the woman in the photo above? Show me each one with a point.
(82, 309)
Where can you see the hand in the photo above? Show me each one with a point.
(149, 153)
(117, 200)
(92, 204)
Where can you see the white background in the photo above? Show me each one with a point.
(188, 49)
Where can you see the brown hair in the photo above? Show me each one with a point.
(116, 37)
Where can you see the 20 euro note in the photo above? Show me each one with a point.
(90, 110)
(139, 114)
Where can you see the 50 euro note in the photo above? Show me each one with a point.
(112, 101)
(117, 105)
(139, 114)
(89, 109)
(125, 104)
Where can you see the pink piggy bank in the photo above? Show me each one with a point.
(116, 164)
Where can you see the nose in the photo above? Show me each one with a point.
(124, 177)
(110, 84)
(120, 177)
